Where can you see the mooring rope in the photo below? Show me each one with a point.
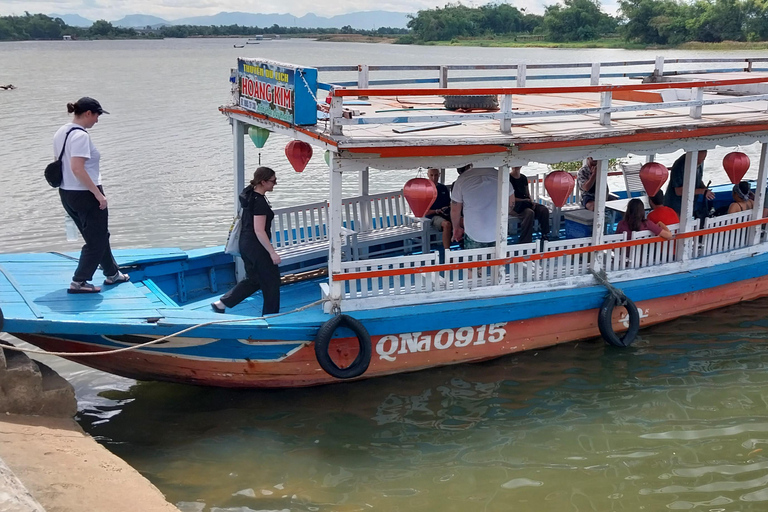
(602, 278)
(159, 340)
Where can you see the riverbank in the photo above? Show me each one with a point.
(66, 470)
(613, 43)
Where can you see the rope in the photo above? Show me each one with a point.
(602, 278)
(159, 340)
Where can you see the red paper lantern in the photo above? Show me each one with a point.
(653, 175)
(559, 185)
(298, 154)
(420, 194)
(736, 165)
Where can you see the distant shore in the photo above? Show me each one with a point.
(599, 43)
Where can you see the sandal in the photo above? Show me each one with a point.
(117, 278)
(83, 287)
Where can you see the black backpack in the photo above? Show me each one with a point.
(53, 172)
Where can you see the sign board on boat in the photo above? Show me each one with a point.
(280, 91)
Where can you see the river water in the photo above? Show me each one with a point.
(676, 422)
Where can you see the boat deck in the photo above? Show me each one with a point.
(33, 291)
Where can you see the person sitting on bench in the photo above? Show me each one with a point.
(526, 209)
(440, 211)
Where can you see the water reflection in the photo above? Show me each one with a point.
(676, 422)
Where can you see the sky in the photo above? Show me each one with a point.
(175, 9)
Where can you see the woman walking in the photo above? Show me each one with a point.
(83, 196)
(259, 257)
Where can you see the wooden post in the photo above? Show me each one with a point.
(598, 224)
(521, 72)
(335, 236)
(697, 95)
(506, 111)
(362, 78)
(650, 158)
(594, 77)
(238, 141)
(364, 190)
(605, 102)
(687, 222)
(757, 209)
(443, 78)
(337, 107)
(502, 219)
(658, 72)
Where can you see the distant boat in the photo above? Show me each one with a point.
(239, 46)
(251, 42)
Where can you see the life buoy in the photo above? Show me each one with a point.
(323, 340)
(606, 325)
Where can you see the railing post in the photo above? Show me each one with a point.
(687, 222)
(362, 78)
(697, 95)
(749, 66)
(443, 78)
(521, 74)
(335, 236)
(759, 204)
(502, 218)
(238, 136)
(594, 77)
(364, 190)
(598, 224)
(658, 71)
(605, 103)
(506, 112)
(335, 112)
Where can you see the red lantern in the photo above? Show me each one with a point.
(653, 175)
(298, 154)
(559, 185)
(420, 194)
(736, 165)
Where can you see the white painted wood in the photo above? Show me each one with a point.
(506, 109)
(598, 224)
(335, 233)
(687, 222)
(759, 203)
(362, 78)
(725, 241)
(443, 78)
(659, 68)
(521, 74)
(335, 114)
(594, 76)
(605, 105)
(502, 216)
(697, 94)
(238, 142)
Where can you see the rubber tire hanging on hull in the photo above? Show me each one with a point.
(323, 341)
(606, 325)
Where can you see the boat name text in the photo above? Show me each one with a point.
(388, 346)
(270, 93)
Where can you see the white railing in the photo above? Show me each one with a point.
(656, 253)
(725, 240)
(390, 285)
(524, 271)
(468, 279)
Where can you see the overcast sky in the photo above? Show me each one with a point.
(175, 9)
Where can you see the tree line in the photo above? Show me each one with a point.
(40, 26)
(639, 21)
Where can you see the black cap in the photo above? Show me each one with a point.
(85, 104)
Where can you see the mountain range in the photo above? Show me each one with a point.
(367, 20)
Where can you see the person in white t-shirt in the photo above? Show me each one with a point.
(83, 196)
(474, 195)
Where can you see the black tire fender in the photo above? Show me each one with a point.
(606, 325)
(481, 102)
(323, 341)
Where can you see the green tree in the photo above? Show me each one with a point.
(577, 20)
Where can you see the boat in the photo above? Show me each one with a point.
(367, 289)
(239, 46)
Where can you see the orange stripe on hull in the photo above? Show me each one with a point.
(398, 352)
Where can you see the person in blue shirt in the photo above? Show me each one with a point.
(440, 211)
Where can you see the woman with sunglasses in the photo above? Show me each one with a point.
(83, 197)
(259, 257)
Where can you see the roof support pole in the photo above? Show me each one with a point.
(238, 142)
(502, 219)
(334, 219)
(757, 209)
(364, 190)
(598, 224)
(687, 222)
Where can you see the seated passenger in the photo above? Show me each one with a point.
(634, 220)
(661, 213)
(586, 182)
(440, 211)
(741, 198)
(526, 209)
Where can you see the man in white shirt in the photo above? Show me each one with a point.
(474, 195)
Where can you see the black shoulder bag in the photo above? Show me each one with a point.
(53, 172)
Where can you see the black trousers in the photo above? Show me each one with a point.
(260, 274)
(92, 223)
(528, 212)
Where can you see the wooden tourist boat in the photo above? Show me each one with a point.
(373, 297)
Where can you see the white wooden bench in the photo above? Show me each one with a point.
(383, 224)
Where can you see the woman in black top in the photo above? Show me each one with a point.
(259, 257)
